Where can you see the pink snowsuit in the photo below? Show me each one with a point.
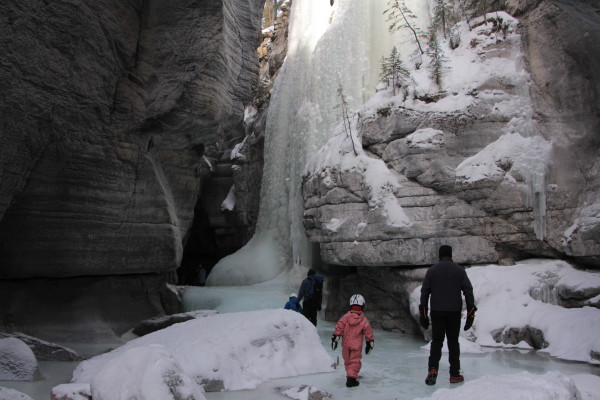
(352, 327)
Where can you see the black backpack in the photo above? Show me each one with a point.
(317, 294)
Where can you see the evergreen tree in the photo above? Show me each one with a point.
(436, 65)
(442, 16)
(400, 17)
(393, 71)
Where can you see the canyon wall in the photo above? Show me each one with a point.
(112, 112)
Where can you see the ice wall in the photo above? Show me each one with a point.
(329, 47)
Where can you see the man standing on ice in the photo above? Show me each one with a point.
(444, 281)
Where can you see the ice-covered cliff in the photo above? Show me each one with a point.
(498, 159)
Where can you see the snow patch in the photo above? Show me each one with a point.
(240, 350)
(524, 385)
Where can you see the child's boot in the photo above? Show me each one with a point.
(351, 382)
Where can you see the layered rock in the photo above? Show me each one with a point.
(108, 111)
(494, 169)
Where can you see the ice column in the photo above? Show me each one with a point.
(328, 46)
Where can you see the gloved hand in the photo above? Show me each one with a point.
(369, 347)
(423, 317)
(334, 341)
(470, 318)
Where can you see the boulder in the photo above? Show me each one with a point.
(45, 351)
(532, 336)
(148, 372)
(11, 394)
(17, 361)
(71, 391)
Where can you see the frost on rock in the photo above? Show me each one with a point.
(425, 138)
(515, 306)
(149, 372)
(305, 392)
(377, 179)
(17, 361)
(11, 394)
(518, 160)
(524, 385)
(231, 351)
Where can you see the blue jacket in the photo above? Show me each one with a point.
(293, 304)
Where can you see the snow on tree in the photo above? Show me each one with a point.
(438, 60)
(443, 16)
(400, 16)
(393, 71)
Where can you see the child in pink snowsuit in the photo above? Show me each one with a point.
(353, 326)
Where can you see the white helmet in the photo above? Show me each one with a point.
(357, 300)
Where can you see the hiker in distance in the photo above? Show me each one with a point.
(311, 290)
(445, 281)
(353, 327)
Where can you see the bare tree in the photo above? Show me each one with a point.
(346, 117)
(400, 16)
(270, 12)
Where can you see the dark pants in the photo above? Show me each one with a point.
(445, 323)
(309, 310)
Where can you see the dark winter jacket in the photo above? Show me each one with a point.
(444, 281)
(307, 289)
(293, 304)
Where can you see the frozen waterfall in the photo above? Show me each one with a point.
(329, 47)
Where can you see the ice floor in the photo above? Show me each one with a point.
(395, 369)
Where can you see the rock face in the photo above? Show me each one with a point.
(108, 110)
(504, 175)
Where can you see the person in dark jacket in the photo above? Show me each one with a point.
(311, 292)
(445, 281)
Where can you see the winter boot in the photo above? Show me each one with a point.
(351, 382)
(431, 377)
(457, 378)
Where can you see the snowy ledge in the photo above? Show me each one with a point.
(520, 307)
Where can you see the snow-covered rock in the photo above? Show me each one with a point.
(71, 391)
(305, 392)
(228, 351)
(588, 385)
(524, 385)
(149, 373)
(17, 361)
(11, 394)
(46, 351)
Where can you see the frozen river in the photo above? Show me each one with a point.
(395, 370)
